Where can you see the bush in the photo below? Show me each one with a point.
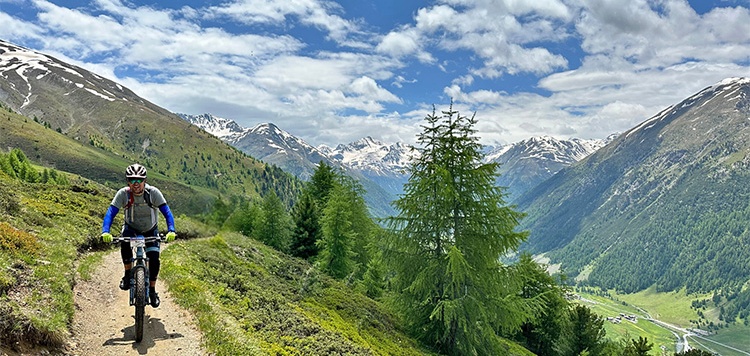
(17, 241)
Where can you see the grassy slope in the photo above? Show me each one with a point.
(250, 299)
(53, 149)
(42, 228)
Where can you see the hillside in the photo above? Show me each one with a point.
(95, 112)
(246, 297)
(665, 204)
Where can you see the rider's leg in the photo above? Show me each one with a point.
(152, 252)
(153, 264)
(127, 258)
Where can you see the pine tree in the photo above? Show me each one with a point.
(45, 176)
(373, 280)
(548, 333)
(362, 225)
(243, 219)
(640, 347)
(452, 228)
(588, 329)
(321, 183)
(307, 230)
(220, 212)
(6, 167)
(336, 256)
(276, 225)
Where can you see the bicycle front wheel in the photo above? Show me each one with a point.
(140, 302)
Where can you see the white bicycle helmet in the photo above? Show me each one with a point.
(135, 171)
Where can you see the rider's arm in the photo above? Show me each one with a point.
(164, 208)
(108, 217)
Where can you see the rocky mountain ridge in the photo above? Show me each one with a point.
(522, 164)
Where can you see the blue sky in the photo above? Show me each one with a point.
(335, 71)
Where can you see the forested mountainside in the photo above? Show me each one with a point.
(666, 203)
(96, 112)
(275, 146)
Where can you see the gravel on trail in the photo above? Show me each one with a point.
(104, 322)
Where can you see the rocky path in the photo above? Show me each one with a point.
(104, 323)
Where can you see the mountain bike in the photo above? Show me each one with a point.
(139, 281)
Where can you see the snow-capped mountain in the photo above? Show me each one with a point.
(384, 164)
(266, 142)
(217, 126)
(523, 165)
(371, 156)
(527, 163)
(273, 145)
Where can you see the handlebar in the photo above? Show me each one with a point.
(145, 238)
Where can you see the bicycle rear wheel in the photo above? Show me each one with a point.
(140, 301)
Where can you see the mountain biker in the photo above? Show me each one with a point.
(140, 202)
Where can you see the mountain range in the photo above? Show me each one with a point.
(523, 164)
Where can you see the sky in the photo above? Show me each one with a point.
(333, 72)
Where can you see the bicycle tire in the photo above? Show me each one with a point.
(140, 302)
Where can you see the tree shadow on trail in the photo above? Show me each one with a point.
(153, 331)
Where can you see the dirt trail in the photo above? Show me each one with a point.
(104, 324)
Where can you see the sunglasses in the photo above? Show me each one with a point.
(136, 180)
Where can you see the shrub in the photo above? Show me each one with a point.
(17, 241)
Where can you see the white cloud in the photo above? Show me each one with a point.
(600, 65)
(367, 87)
(399, 44)
(489, 30)
(320, 14)
(15, 28)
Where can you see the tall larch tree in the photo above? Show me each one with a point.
(320, 185)
(275, 227)
(336, 255)
(307, 230)
(452, 228)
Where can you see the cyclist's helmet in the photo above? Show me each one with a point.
(135, 171)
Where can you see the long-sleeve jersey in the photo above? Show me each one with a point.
(140, 211)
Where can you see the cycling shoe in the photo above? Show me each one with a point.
(125, 283)
(154, 299)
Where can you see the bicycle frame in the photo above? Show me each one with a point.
(139, 278)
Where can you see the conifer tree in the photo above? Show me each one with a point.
(45, 176)
(548, 333)
(362, 225)
(6, 167)
(276, 225)
(220, 212)
(589, 330)
(640, 347)
(307, 230)
(453, 226)
(321, 183)
(243, 219)
(336, 256)
(373, 281)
